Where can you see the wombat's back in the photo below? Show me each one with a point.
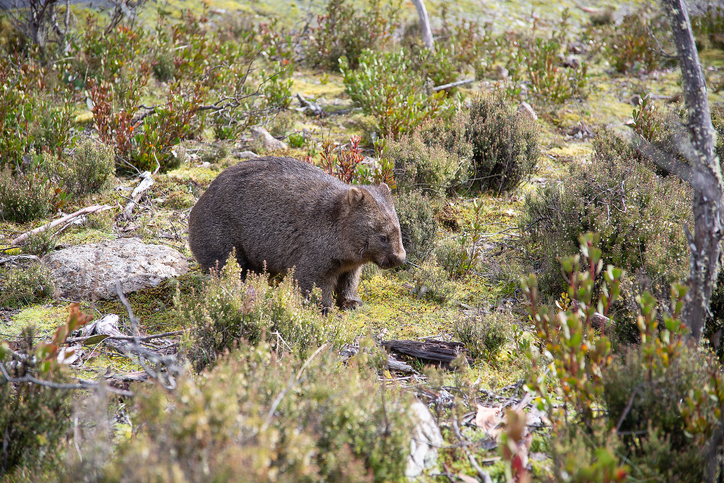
(268, 208)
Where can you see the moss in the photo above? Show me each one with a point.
(45, 318)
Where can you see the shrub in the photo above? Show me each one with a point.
(26, 286)
(344, 31)
(425, 166)
(417, 223)
(483, 337)
(433, 283)
(631, 46)
(87, 170)
(229, 309)
(387, 87)
(259, 417)
(654, 411)
(24, 197)
(505, 144)
(35, 418)
(549, 81)
(638, 214)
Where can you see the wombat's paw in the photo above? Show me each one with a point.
(350, 304)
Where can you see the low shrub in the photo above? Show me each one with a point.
(35, 418)
(505, 144)
(424, 163)
(631, 45)
(345, 31)
(26, 286)
(483, 337)
(638, 214)
(549, 81)
(229, 309)
(25, 197)
(417, 223)
(260, 417)
(387, 87)
(654, 411)
(89, 169)
(431, 282)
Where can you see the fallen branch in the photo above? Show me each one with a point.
(12, 258)
(143, 186)
(127, 337)
(312, 107)
(453, 84)
(83, 211)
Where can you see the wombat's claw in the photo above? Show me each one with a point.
(350, 304)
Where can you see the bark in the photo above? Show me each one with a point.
(424, 24)
(703, 172)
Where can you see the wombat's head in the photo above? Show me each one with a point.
(376, 229)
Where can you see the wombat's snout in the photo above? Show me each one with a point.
(397, 259)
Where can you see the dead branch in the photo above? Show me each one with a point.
(82, 211)
(143, 186)
(145, 338)
(453, 84)
(81, 384)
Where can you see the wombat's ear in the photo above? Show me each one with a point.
(384, 188)
(355, 195)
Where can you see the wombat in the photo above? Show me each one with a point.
(280, 213)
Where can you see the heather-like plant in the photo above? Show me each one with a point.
(229, 309)
(505, 144)
(417, 224)
(259, 416)
(25, 286)
(638, 214)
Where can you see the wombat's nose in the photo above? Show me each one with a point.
(399, 257)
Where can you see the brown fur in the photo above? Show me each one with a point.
(285, 213)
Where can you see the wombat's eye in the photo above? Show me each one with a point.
(383, 238)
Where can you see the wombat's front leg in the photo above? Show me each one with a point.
(307, 284)
(346, 289)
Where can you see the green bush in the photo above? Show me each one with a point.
(34, 419)
(344, 31)
(505, 144)
(432, 282)
(24, 197)
(483, 337)
(229, 309)
(387, 87)
(426, 167)
(89, 169)
(260, 417)
(654, 411)
(630, 45)
(417, 223)
(550, 82)
(639, 216)
(26, 286)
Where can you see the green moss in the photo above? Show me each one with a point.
(45, 318)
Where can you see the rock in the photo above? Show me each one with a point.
(82, 271)
(262, 136)
(528, 109)
(246, 155)
(426, 438)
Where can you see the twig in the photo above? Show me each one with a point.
(82, 211)
(292, 381)
(453, 84)
(627, 408)
(128, 337)
(12, 258)
(58, 385)
(137, 194)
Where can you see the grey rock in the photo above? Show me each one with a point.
(84, 271)
(246, 154)
(426, 438)
(262, 136)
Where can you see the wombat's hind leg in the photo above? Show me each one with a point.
(307, 284)
(346, 289)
